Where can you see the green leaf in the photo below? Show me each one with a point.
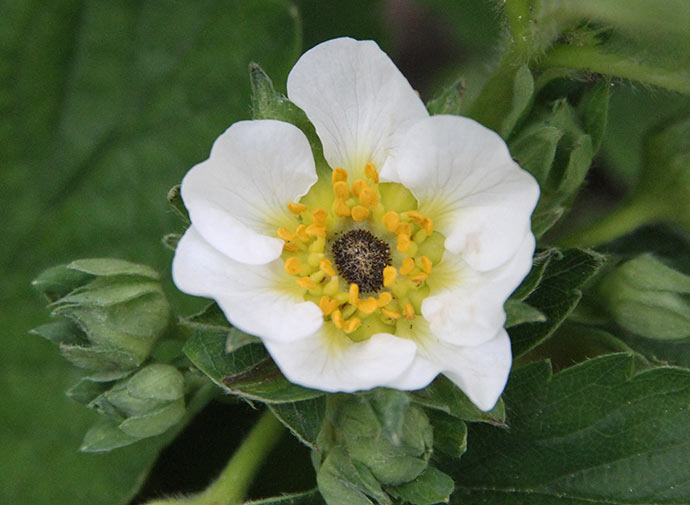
(247, 372)
(450, 434)
(304, 419)
(432, 486)
(520, 312)
(338, 480)
(556, 297)
(594, 110)
(306, 498)
(539, 264)
(593, 433)
(449, 100)
(535, 149)
(445, 396)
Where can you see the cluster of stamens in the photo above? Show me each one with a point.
(359, 247)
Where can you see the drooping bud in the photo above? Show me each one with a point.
(111, 312)
(649, 299)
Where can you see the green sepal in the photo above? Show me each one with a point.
(450, 434)
(105, 436)
(157, 382)
(176, 202)
(154, 422)
(86, 390)
(449, 100)
(519, 313)
(58, 281)
(98, 358)
(339, 482)
(63, 331)
(431, 487)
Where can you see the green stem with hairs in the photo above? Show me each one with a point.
(232, 484)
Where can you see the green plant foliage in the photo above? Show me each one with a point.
(557, 295)
(304, 419)
(596, 432)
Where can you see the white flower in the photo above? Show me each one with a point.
(354, 282)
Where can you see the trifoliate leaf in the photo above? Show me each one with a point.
(594, 433)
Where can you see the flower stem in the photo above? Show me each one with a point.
(232, 484)
(626, 218)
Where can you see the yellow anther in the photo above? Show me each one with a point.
(341, 190)
(351, 325)
(301, 233)
(416, 217)
(316, 230)
(286, 234)
(371, 173)
(404, 228)
(419, 278)
(296, 208)
(293, 266)
(390, 313)
(341, 208)
(306, 282)
(326, 267)
(290, 246)
(353, 294)
(407, 266)
(327, 305)
(358, 186)
(337, 318)
(318, 245)
(428, 226)
(426, 264)
(403, 242)
(384, 299)
(391, 220)
(359, 213)
(339, 174)
(408, 311)
(319, 216)
(368, 197)
(367, 306)
(389, 275)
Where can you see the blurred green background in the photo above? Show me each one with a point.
(104, 107)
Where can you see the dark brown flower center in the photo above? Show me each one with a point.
(360, 258)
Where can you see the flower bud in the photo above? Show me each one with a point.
(111, 312)
(649, 299)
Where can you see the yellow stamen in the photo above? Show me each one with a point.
(358, 186)
(416, 217)
(368, 197)
(371, 173)
(384, 299)
(391, 220)
(341, 190)
(327, 304)
(419, 277)
(319, 216)
(339, 174)
(316, 230)
(390, 313)
(326, 267)
(301, 233)
(403, 242)
(341, 208)
(290, 246)
(367, 306)
(389, 275)
(404, 228)
(428, 226)
(293, 266)
(408, 311)
(314, 258)
(331, 288)
(426, 264)
(306, 282)
(317, 276)
(286, 234)
(296, 208)
(337, 318)
(353, 294)
(351, 325)
(359, 213)
(407, 266)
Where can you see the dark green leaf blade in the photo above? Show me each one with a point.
(303, 419)
(594, 433)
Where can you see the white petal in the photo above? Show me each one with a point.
(261, 300)
(238, 197)
(464, 178)
(470, 312)
(357, 99)
(329, 361)
(480, 371)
